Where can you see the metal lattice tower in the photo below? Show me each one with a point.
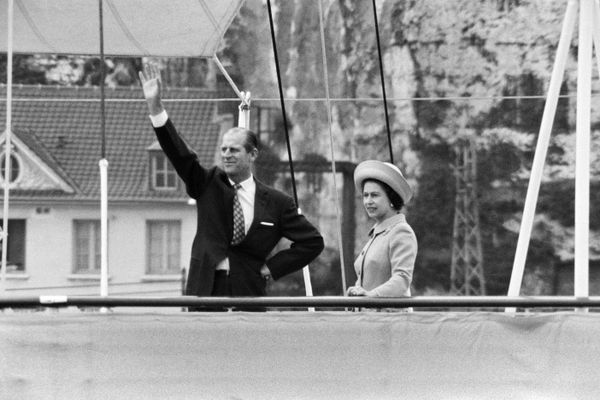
(466, 273)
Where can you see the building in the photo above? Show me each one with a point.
(54, 196)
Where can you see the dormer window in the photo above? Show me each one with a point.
(162, 173)
(15, 168)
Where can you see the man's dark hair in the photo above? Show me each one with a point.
(395, 199)
(251, 141)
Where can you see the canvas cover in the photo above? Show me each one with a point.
(299, 355)
(169, 28)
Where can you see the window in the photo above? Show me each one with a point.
(15, 169)
(87, 246)
(264, 124)
(163, 247)
(15, 257)
(162, 173)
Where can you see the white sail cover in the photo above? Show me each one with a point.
(168, 28)
(300, 355)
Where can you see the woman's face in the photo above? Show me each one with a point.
(376, 201)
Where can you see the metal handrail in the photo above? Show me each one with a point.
(302, 302)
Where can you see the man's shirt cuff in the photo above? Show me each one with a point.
(159, 120)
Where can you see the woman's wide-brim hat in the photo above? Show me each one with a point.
(384, 172)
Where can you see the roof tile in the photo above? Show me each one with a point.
(63, 126)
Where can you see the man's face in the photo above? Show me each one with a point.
(237, 162)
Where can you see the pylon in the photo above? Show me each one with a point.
(466, 275)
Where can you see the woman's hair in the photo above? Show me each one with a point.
(396, 201)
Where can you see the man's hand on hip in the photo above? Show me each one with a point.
(265, 272)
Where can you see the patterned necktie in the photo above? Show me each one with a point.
(238, 218)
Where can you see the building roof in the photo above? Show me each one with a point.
(62, 126)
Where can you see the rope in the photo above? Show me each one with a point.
(385, 106)
(282, 101)
(218, 30)
(305, 270)
(314, 99)
(335, 190)
(9, 78)
(215, 24)
(241, 96)
(210, 16)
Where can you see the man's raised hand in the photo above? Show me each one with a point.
(151, 85)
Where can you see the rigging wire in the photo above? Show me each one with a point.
(305, 270)
(103, 165)
(385, 106)
(281, 99)
(102, 78)
(7, 144)
(256, 99)
(329, 119)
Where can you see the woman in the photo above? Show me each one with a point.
(385, 265)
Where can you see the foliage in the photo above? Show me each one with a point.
(484, 50)
(430, 214)
(25, 70)
(70, 70)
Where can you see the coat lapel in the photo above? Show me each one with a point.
(261, 198)
(228, 197)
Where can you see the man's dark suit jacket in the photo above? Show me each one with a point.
(275, 216)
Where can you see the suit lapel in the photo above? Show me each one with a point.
(228, 197)
(260, 204)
